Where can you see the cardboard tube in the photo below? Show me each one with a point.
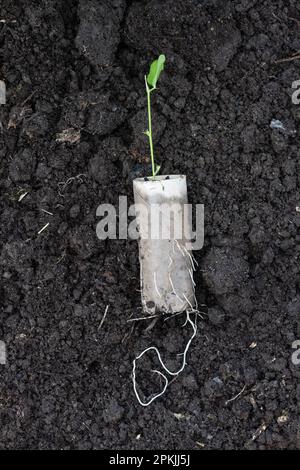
(166, 266)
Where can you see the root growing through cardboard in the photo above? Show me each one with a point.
(190, 265)
(174, 374)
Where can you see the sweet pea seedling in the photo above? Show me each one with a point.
(151, 80)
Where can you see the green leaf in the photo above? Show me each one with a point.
(155, 70)
(157, 168)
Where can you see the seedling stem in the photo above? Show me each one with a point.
(151, 79)
(155, 169)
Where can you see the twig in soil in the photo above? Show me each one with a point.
(127, 335)
(143, 318)
(173, 374)
(295, 56)
(294, 19)
(61, 257)
(236, 396)
(22, 196)
(259, 431)
(43, 228)
(46, 212)
(103, 318)
(29, 97)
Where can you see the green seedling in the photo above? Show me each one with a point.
(151, 80)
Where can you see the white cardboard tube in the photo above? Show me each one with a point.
(166, 267)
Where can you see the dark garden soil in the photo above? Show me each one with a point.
(71, 139)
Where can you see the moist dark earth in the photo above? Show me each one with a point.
(71, 139)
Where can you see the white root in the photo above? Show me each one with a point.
(153, 348)
(166, 270)
(196, 303)
(192, 308)
(173, 315)
(191, 274)
(194, 259)
(155, 285)
(173, 289)
(168, 371)
(157, 372)
(179, 248)
(191, 258)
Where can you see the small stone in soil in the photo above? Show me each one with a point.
(113, 412)
(216, 316)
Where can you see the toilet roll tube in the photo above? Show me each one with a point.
(166, 265)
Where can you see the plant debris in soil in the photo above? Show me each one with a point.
(70, 139)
